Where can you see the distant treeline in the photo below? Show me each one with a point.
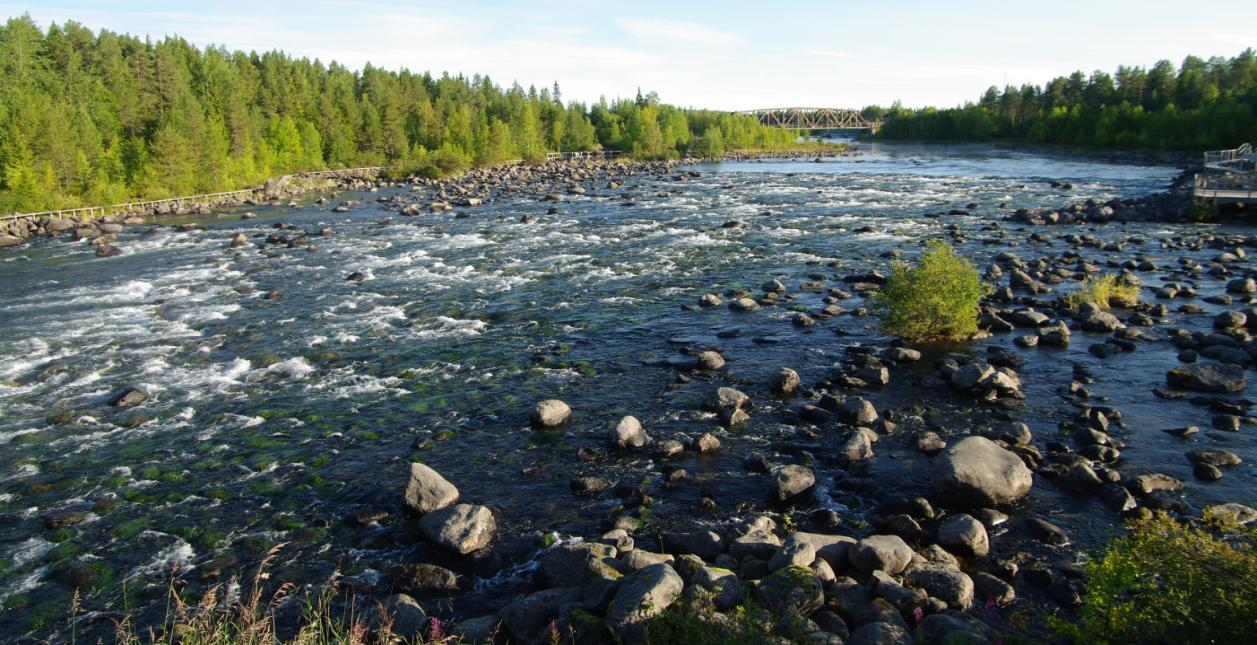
(1204, 104)
(104, 118)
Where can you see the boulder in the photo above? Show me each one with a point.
(551, 413)
(880, 633)
(964, 535)
(643, 594)
(527, 619)
(427, 490)
(574, 564)
(945, 583)
(790, 481)
(463, 528)
(1207, 377)
(887, 553)
(976, 471)
(786, 381)
(791, 590)
(128, 397)
(628, 433)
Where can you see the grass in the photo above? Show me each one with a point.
(1106, 291)
(1168, 581)
(250, 619)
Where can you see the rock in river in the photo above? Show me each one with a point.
(628, 433)
(977, 471)
(790, 481)
(551, 413)
(1207, 377)
(427, 490)
(463, 528)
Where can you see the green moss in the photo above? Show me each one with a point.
(130, 528)
(219, 494)
(61, 534)
(67, 549)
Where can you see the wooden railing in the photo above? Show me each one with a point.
(1229, 188)
(1217, 159)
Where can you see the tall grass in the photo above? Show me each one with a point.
(1107, 291)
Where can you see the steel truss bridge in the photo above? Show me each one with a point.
(804, 118)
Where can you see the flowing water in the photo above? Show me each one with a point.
(272, 421)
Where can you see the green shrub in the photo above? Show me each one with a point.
(936, 298)
(1169, 582)
(1106, 291)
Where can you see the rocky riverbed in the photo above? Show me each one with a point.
(534, 399)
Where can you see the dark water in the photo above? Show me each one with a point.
(272, 421)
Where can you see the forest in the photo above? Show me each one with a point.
(1202, 104)
(89, 118)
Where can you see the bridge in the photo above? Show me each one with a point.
(805, 118)
(1230, 177)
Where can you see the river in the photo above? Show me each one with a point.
(272, 421)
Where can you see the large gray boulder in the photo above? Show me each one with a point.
(463, 528)
(791, 590)
(887, 553)
(976, 471)
(551, 413)
(945, 583)
(527, 619)
(643, 594)
(628, 433)
(575, 564)
(427, 490)
(1207, 377)
(790, 481)
(964, 535)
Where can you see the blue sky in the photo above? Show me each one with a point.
(723, 55)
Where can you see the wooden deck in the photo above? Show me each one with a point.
(1230, 177)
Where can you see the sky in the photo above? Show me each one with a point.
(719, 55)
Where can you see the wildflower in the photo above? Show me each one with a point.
(435, 630)
(918, 614)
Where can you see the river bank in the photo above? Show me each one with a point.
(431, 337)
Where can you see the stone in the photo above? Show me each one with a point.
(887, 553)
(993, 589)
(128, 397)
(791, 590)
(406, 615)
(857, 410)
(628, 433)
(1234, 511)
(574, 564)
(527, 619)
(976, 471)
(791, 481)
(710, 360)
(1215, 458)
(422, 578)
(829, 548)
(551, 413)
(1207, 377)
(721, 582)
(786, 381)
(427, 490)
(880, 633)
(706, 442)
(463, 528)
(964, 535)
(743, 304)
(796, 554)
(945, 583)
(643, 594)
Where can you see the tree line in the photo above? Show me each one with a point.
(1202, 104)
(100, 118)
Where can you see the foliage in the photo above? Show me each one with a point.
(1106, 291)
(94, 118)
(936, 298)
(1171, 582)
(249, 619)
(697, 623)
(1203, 104)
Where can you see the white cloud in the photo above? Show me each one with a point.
(1236, 39)
(687, 32)
(830, 54)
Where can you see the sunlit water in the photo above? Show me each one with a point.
(272, 421)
